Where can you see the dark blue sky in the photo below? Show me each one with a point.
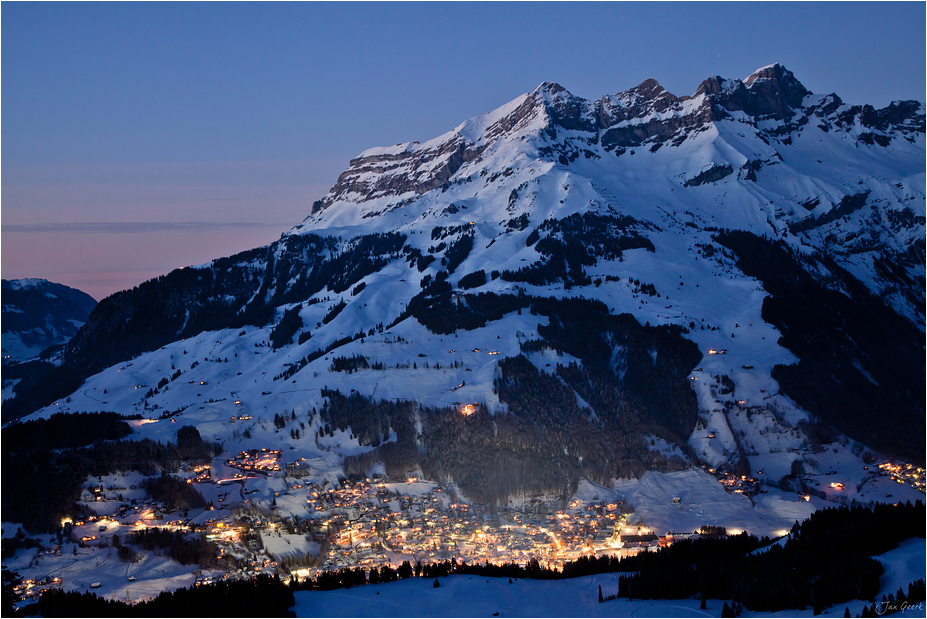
(243, 114)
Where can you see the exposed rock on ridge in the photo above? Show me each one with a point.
(644, 115)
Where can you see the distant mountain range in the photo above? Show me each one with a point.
(38, 314)
(560, 289)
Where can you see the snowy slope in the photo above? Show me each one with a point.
(841, 188)
(38, 314)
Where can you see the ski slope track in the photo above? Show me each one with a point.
(643, 283)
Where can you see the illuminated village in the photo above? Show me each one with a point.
(368, 523)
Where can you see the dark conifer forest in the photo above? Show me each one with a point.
(856, 355)
(43, 472)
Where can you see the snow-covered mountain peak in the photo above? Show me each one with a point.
(727, 126)
(752, 217)
(771, 92)
(649, 91)
(761, 154)
(783, 80)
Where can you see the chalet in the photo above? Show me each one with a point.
(90, 540)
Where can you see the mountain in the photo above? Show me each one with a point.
(38, 314)
(560, 289)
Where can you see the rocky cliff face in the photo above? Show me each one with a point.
(645, 116)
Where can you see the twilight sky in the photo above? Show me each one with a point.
(142, 137)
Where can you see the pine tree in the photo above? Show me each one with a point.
(600, 593)
(437, 584)
(405, 570)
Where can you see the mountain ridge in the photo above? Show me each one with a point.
(593, 260)
(38, 314)
(621, 121)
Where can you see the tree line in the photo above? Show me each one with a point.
(40, 486)
(856, 354)
(826, 560)
(261, 596)
(185, 548)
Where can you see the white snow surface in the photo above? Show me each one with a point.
(703, 501)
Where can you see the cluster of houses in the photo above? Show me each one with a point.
(372, 522)
(905, 474)
(257, 460)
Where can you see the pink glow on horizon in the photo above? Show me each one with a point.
(107, 227)
(103, 263)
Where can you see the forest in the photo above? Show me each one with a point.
(856, 355)
(825, 560)
(185, 548)
(575, 242)
(545, 443)
(64, 431)
(262, 596)
(634, 377)
(42, 478)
